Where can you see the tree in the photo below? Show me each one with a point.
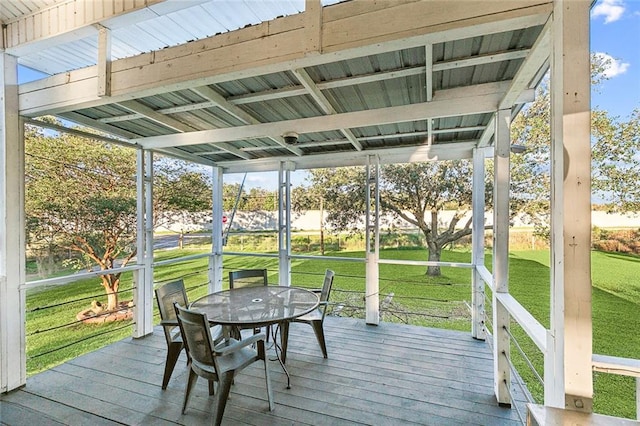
(179, 188)
(419, 192)
(81, 195)
(416, 192)
(615, 162)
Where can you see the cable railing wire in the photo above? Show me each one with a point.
(420, 283)
(81, 340)
(520, 382)
(513, 399)
(522, 387)
(524, 356)
(68, 302)
(78, 321)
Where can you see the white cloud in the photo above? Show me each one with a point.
(612, 10)
(614, 67)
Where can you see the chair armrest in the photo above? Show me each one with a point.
(237, 344)
(169, 322)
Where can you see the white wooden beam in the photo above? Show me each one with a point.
(149, 113)
(452, 102)
(455, 151)
(78, 132)
(571, 320)
(501, 318)
(196, 158)
(220, 101)
(176, 125)
(104, 62)
(373, 23)
(533, 63)
(481, 60)
(12, 231)
(313, 26)
(428, 71)
(324, 103)
(89, 122)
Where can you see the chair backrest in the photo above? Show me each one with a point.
(194, 327)
(248, 278)
(326, 286)
(166, 296)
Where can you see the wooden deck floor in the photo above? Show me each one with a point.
(377, 375)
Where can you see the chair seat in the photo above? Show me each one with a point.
(237, 359)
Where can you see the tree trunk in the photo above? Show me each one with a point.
(111, 285)
(434, 256)
(112, 300)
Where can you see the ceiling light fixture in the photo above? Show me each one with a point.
(290, 138)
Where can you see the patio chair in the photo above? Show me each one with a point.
(316, 318)
(166, 296)
(248, 278)
(217, 359)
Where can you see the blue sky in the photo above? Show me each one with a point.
(615, 31)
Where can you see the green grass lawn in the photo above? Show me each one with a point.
(408, 294)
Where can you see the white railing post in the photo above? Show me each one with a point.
(501, 318)
(477, 238)
(372, 237)
(143, 279)
(216, 258)
(284, 223)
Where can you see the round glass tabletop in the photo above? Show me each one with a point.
(256, 306)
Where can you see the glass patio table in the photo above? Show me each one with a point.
(257, 307)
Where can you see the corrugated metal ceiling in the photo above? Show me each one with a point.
(367, 82)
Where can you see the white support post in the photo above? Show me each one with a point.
(501, 343)
(372, 237)
(216, 260)
(13, 362)
(477, 238)
(284, 223)
(148, 224)
(143, 279)
(571, 323)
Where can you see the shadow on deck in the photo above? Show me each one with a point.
(389, 374)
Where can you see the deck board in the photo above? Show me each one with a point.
(389, 374)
